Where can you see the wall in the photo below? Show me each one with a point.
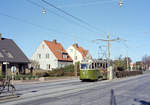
(63, 64)
(43, 61)
(72, 52)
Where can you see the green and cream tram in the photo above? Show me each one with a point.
(90, 69)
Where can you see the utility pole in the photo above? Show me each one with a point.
(108, 40)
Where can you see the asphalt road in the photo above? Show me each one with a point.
(127, 91)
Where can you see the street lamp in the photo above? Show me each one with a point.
(44, 11)
(121, 3)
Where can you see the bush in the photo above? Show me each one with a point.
(69, 68)
(2, 76)
(29, 77)
(122, 74)
(17, 77)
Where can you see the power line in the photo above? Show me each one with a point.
(30, 23)
(66, 19)
(70, 15)
(89, 3)
(35, 25)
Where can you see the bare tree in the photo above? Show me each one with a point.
(146, 61)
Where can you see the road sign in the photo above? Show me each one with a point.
(13, 69)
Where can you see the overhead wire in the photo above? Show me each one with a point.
(31, 23)
(38, 5)
(37, 25)
(89, 3)
(66, 19)
(72, 16)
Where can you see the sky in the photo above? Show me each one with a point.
(23, 21)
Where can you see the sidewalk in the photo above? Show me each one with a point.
(45, 79)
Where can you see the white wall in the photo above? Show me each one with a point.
(43, 61)
(63, 64)
(72, 52)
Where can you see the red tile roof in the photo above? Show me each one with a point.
(57, 50)
(81, 50)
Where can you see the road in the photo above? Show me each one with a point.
(127, 91)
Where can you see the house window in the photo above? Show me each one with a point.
(61, 65)
(64, 55)
(76, 57)
(39, 56)
(48, 66)
(47, 56)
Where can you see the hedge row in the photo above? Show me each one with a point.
(122, 74)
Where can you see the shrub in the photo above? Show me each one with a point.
(69, 68)
(24, 77)
(29, 77)
(2, 76)
(17, 77)
(122, 74)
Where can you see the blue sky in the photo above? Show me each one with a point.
(27, 26)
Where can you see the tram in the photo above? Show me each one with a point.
(90, 69)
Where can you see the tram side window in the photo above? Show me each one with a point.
(84, 66)
(90, 66)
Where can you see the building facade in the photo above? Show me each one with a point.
(51, 55)
(78, 53)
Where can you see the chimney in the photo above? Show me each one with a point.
(0, 36)
(54, 41)
(76, 44)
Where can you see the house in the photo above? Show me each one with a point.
(78, 53)
(11, 55)
(51, 55)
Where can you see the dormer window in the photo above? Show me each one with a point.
(64, 55)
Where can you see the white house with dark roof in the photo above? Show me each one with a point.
(78, 53)
(51, 55)
(11, 55)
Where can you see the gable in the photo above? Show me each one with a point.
(81, 50)
(58, 50)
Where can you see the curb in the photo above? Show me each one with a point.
(7, 97)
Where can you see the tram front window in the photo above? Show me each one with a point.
(84, 66)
